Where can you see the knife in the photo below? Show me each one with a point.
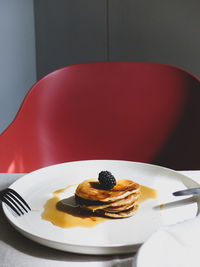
(185, 192)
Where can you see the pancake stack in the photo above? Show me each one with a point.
(119, 202)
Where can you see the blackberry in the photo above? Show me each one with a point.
(106, 179)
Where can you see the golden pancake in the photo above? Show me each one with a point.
(93, 190)
(119, 202)
(120, 208)
(94, 205)
(123, 214)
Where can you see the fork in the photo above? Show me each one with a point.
(14, 201)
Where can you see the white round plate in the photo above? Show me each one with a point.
(115, 236)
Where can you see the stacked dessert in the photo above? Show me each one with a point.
(108, 197)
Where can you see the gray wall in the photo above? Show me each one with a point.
(157, 31)
(75, 31)
(68, 32)
(17, 56)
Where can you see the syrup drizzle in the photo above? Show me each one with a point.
(68, 216)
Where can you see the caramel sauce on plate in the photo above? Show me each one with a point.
(67, 216)
(147, 193)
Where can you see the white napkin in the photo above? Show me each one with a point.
(176, 245)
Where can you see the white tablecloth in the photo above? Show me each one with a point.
(16, 250)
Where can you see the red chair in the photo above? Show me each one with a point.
(145, 112)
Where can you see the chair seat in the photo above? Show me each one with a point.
(106, 110)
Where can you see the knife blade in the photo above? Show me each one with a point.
(185, 192)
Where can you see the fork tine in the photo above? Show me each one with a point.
(10, 190)
(12, 197)
(10, 205)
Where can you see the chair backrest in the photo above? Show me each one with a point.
(105, 110)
